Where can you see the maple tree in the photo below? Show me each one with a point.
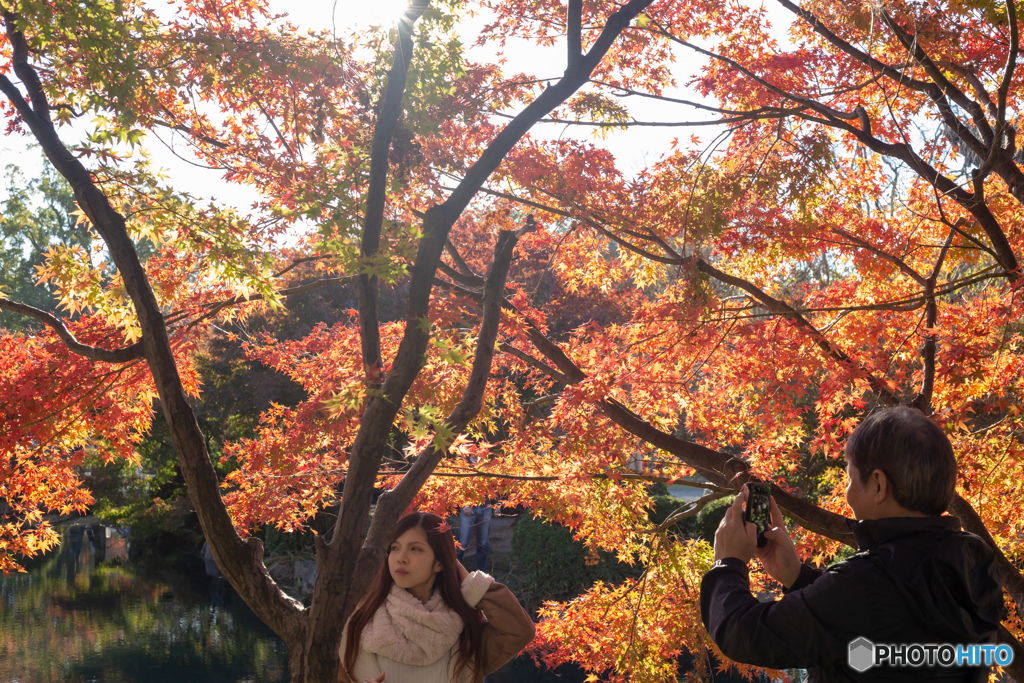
(849, 240)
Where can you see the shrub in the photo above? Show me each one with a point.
(702, 525)
(557, 565)
(657, 488)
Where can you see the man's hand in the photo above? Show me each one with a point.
(736, 538)
(779, 556)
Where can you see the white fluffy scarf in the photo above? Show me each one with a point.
(411, 632)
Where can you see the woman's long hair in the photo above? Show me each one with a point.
(446, 582)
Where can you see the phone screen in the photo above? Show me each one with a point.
(758, 510)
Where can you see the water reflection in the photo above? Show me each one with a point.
(84, 614)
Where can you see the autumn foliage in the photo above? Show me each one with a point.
(848, 237)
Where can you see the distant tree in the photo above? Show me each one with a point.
(36, 215)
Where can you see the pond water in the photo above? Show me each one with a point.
(86, 614)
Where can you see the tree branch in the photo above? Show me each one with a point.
(1005, 167)
(923, 400)
(95, 353)
(1001, 94)
(975, 83)
(437, 223)
(1010, 576)
(614, 476)
(215, 308)
(1003, 251)
(332, 603)
(467, 280)
(941, 87)
(574, 32)
(376, 194)
(460, 262)
(273, 124)
(891, 258)
(531, 361)
(570, 82)
(29, 77)
(392, 504)
(672, 124)
(185, 129)
(681, 514)
(719, 468)
(672, 259)
(859, 55)
(772, 304)
(937, 90)
(730, 471)
(990, 147)
(801, 323)
(768, 111)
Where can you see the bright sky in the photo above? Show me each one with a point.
(634, 148)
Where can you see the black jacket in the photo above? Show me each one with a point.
(915, 580)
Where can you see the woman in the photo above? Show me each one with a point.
(423, 619)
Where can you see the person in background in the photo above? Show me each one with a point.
(476, 517)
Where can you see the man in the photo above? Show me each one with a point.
(918, 579)
(475, 517)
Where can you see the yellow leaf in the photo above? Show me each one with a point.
(81, 218)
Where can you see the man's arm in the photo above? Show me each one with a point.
(800, 630)
(808, 575)
(809, 626)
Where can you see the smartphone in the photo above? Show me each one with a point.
(758, 510)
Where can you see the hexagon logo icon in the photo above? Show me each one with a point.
(861, 655)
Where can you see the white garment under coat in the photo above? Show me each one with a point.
(415, 642)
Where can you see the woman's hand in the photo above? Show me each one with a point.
(778, 556)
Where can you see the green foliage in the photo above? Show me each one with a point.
(35, 215)
(287, 545)
(558, 567)
(148, 496)
(110, 48)
(155, 519)
(657, 489)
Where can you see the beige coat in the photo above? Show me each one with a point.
(507, 631)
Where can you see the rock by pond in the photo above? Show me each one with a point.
(305, 576)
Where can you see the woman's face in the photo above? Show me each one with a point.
(412, 563)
